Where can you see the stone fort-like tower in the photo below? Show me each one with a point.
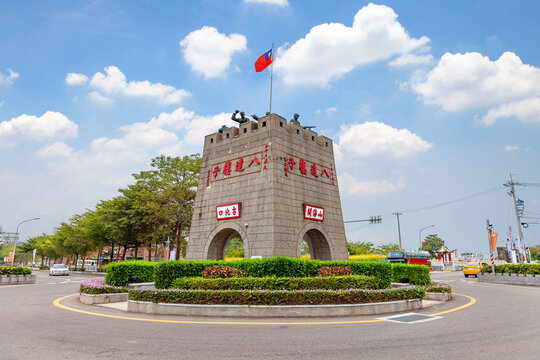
(272, 184)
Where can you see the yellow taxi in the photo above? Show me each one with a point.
(472, 269)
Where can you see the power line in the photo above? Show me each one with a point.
(489, 191)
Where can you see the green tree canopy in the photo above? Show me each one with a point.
(432, 243)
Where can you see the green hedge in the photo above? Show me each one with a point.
(14, 270)
(528, 269)
(417, 274)
(118, 273)
(275, 283)
(166, 272)
(97, 286)
(275, 297)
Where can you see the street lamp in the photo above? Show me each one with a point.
(17, 238)
(420, 234)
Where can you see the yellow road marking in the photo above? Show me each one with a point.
(58, 304)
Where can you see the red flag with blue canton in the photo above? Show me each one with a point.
(264, 61)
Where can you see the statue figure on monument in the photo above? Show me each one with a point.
(222, 128)
(309, 127)
(242, 119)
(295, 119)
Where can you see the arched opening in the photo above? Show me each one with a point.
(234, 249)
(218, 245)
(304, 249)
(318, 245)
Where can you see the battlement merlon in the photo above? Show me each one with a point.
(266, 123)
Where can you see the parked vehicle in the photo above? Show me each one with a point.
(473, 269)
(410, 257)
(59, 269)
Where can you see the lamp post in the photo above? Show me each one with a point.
(420, 234)
(17, 238)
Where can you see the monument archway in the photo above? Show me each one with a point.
(317, 241)
(221, 236)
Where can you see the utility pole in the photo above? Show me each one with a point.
(512, 191)
(398, 228)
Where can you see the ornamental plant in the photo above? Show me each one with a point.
(438, 288)
(279, 283)
(98, 286)
(276, 297)
(334, 271)
(14, 270)
(222, 272)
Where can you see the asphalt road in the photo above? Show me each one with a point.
(504, 323)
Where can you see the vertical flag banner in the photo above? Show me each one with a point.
(493, 239)
(264, 60)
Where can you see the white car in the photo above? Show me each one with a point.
(58, 269)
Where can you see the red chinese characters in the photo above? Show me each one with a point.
(227, 168)
(239, 165)
(228, 211)
(312, 212)
(302, 167)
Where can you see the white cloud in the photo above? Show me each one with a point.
(376, 138)
(470, 80)
(270, 2)
(97, 97)
(330, 110)
(8, 80)
(411, 59)
(56, 149)
(526, 111)
(2, 103)
(349, 185)
(331, 50)
(73, 79)
(51, 125)
(209, 52)
(113, 82)
(511, 147)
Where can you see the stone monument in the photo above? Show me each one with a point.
(271, 183)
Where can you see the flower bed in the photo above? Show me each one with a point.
(279, 283)
(438, 288)
(276, 297)
(14, 270)
(98, 286)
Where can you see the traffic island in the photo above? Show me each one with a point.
(17, 279)
(510, 279)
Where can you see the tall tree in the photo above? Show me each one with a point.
(168, 192)
(432, 243)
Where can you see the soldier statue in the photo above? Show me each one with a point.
(295, 119)
(242, 119)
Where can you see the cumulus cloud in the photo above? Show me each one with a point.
(511, 148)
(349, 185)
(411, 59)
(97, 97)
(73, 79)
(526, 111)
(2, 103)
(209, 52)
(270, 2)
(506, 86)
(51, 125)
(376, 138)
(56, 149)
(114, 82)
(8, 80)
(331, 50)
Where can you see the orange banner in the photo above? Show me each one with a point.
(10, 257)
(493, 240)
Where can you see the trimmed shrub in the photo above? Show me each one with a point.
(97, 286)
(527, 269)
(222, 272)
(14, 270)
(276, 297)
(275, 283)
(119, 273)
(417, 274)
(334, 271)
(166, 272)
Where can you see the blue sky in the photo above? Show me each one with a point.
(427, 102)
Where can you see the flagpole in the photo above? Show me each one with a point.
(271, 76)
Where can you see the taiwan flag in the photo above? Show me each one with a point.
(264, 61)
